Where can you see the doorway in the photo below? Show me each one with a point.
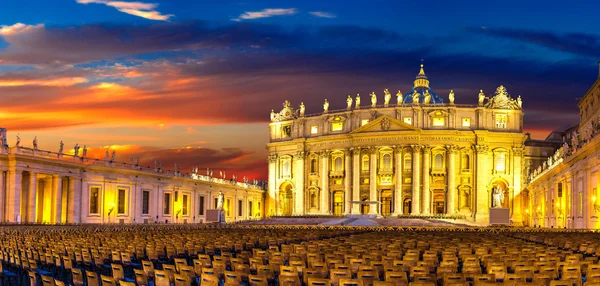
(386, 202)
(364, 207)
(286, 199)
(338, 203)
(407, 206)
(439, 201)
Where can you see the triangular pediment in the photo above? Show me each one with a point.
(385, 123)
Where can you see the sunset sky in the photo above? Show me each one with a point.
(193, 82)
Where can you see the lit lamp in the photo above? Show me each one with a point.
(178, 212)
(596, 206)
(111, 208)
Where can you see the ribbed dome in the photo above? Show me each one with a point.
(421, 87)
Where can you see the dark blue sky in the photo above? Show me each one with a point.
(206, 72)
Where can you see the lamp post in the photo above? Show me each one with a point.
(111, 208)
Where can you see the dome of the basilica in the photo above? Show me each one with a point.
(421, 90)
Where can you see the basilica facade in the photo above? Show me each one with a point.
(45, 187)
(404, 154)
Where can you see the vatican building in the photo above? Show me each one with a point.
(49, 187)
(416, 153)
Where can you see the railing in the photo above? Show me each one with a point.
(391, 105)
(114, 164)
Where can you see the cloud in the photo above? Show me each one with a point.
(140, 9)
(18, 28)
(43, 82)
(322, 14)
(573, 43)
(266, 13)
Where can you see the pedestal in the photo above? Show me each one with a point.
(215, 216)
(499, 216)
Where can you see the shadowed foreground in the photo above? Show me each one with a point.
(295, 255)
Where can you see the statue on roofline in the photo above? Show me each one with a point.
(18, 140)
(84, 151)
(415, 97)
(76, 149)
(427, 96)
(519, 102)
(398, 97)
(357, 101)
(326, 105)
(481, 97)
(373, 99)
(349, 102)
(35, 144)
(451, 97)
(302, 108)
(386, 97)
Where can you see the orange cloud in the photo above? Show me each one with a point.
(59, 82)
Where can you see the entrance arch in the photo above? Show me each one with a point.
(407, 206)
(338, 202)
(364, 207)
(286, 199)
(502, 185)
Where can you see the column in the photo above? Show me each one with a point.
(347, 181)
(32, 197)
(2, 193)
(299, 179)
(76, 189)
(13, 194)
(416, 183)
(356, 180)
(373, 208)
(517, 210)
(398, 185)
(325, 207)
(482, 194)
(451, 177)
(426, 173)
(270, 203)
(56, 198)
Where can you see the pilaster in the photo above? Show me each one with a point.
(13, 194)
(270, 206)
(56, 198)
(517, 211)
(3, 192)
(356, 180)
(373, 208)
(325, 206)
(451, 173)
(299, 179)
(482, 194)
(348, 181)
(398, 184)
(426, 173)
(416, 180)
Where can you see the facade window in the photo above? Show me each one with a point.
(228, 210)
(240, 205)
(286, 131)
(286, 167)
(407, 120)
(387, 161)
(500, 162)
(580, 204)
(560, 190)
(337, 126)
(466, 122)
(145, 202)
(216, 202)
(364, 122)
(365, 163)
(465, 161)
(407, 162)
(121, 201)
(314, 129)
(501, 120)
(94, 200)
(438, 121)
(201, 204)
(439, 161)
(313, 165)
(184, 205)
(313, 200)
(250, 208)
(338, 164)
(167, 204)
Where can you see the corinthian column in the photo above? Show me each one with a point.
(347, 181)
(517, 210)
(416, 182)
(299, 179)
(325, 182)
(398, 185)
(31, 200)
(451, 173)
(373, 208)
(426, 172)
(270, 208)
(356, 180)
(482, 195)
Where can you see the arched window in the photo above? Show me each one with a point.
(313, 165)
(439, 161)
(338, 164)
(465, 161)
(387, 161)
(500, 162)
(407, 162)
(313, 200)
(365, 163)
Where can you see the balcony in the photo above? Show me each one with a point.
(336, 174)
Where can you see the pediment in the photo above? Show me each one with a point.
(385, 124)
